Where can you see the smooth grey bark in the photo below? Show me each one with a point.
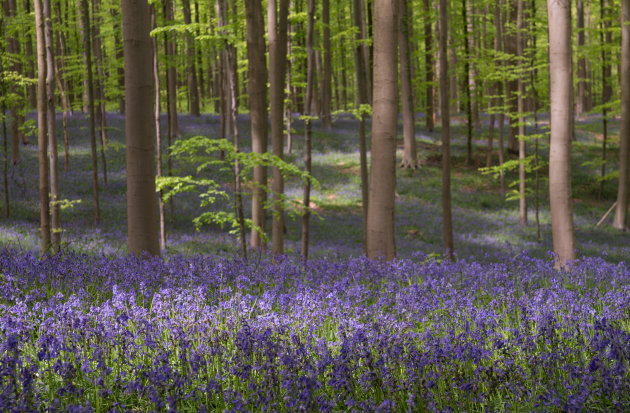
(621, 213)
(381, 242)
(410, 156)
(561, 105)
(310, 79)
(142, 220)
(447, 220)
(42, 142)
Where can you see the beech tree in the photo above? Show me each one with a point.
(42, 143)
(447, 220)
(380, 224)
(142, 229)
(561, 104)
(406, 85)
(257, 88)
(277, 30)
(621, 213)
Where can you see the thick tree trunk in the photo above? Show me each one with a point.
(428, 67)
(327, 69)
(621, 213)
(85, 17)
(561, 103)
(257, 88)
(277, 28)
(42, 142)
(52, 137)
(193, 90)
(142, 228)
(380, 236)
(447, 220)
(409, 136)
(362, 99)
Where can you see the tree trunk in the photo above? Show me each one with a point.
(467, 85)
(193, 90)
(257, 88)
(498, 46)
(447, 221)
(380, 235)
(409, 137)
(170, 47)
(582, 104)
(120, 70)
(521, 120)
(30, 71)
(62, 86)
(142, 229)
(310, 79)
(621, 213)
(428, 67)
(605, 38)
(561, 104)
(5, 145)
(277, 27)
(156, 120)
(42, 143)
(13, 47)
(327, 69)
(85, 17)
(101, 115)
(50, 117)
(362, 99)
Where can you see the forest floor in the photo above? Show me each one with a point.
(485, 223)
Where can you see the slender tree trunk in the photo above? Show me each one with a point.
(561, 104)
(257, 88)
(50, 127)
(170, 47)
(327, 69)
(605, 38)
(277, 28)
(310, 72)
(410, 157)
(621, 213)
(447, 221)
(5, 146)
(380, 233)
(510, 47)
(30, 70)
(467, 85)
(156, 120)
(232, 77)
(120, 70)
(520, 105)
(142, 228)
(42, 143)
(498, 45)
(428, 67)
(363, 28)
(90, 82)
(193, 90)
(362, 99)
(13, 48)
(65, 102)
(101, 115)
(582, 105)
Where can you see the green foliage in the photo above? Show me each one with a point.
(202, 153)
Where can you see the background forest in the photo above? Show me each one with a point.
(314, 205)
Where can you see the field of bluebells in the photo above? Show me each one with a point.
(94, 333)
